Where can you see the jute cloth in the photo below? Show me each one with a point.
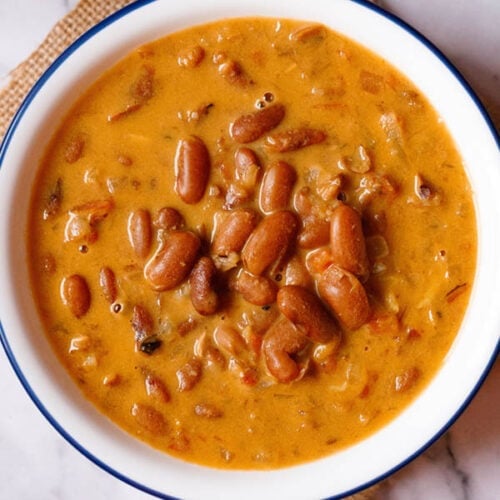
(86, 14)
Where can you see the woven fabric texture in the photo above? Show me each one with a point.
(86, 14)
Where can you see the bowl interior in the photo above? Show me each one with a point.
(58, 397)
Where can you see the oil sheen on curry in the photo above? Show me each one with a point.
(251, 243)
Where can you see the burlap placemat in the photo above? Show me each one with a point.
(86, 14)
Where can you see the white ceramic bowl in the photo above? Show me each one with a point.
(345, 472)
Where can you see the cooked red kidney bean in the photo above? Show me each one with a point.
(202, 283)
(315, 232)
(304, 309)
(258, 290)
(192, 169)
(189, 375)
(173, 261)
(345, 295)
(347, 241)
(75, 294)
(232, 233)
(139, 232)
(168, 218)
(107, 281)
(149, 419)
(276, 187)
(269, 241)
(280, 343)
(248, 128)
(293, 139)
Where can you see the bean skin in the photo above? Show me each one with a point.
(258, 290)
(192, 169)
(276, 187)
(293, 139)
(246, 163)
(189, 375)
(232, 233)
(149, 419)
(296, 273)
(143, 326)
(75, 294)
(191, 57)
(229, 340)
(347, 241)
(173, 261)
(304, 309)
(107, 281)
(156, 388)
(139, 232)
(142, 322)
(202, 282)
(315, 232)
(345, 295)
(269, 241)
(281, 341)
(248, 128)
(168, 218)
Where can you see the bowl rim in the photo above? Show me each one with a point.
(3, 151)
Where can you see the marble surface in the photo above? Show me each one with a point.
(35, 462)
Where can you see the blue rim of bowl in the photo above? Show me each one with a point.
(4, 146)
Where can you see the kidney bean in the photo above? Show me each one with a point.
(173, 261)
(280, 343)
(54, 199)
(233, 72)
(246, 168)
(142, 322)
(186, 326)
(202, 282)
(315, 232)
(191, 57)
(304, 309)
(258, 290)
(296, 273)
(207, 410)
(347, 241)
(168, 218)
(139, 232)
(326, 356)
(407, 380)
(189, 375)
(248, 128)
(143, 325)
(142, 89)
(345, 295)
(232, 233)
(107, 281)
(244, 157)
(229, 340)
(276, 187)
(192, 169)
(269, 241)
(307, 33)
(149, 419)
(318, 260)
(302, 201)
(75, 293)
(73, 150)
(156, 388)
(293, 139)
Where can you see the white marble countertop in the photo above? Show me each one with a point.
(36, 462)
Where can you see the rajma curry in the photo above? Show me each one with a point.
(251, 243)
